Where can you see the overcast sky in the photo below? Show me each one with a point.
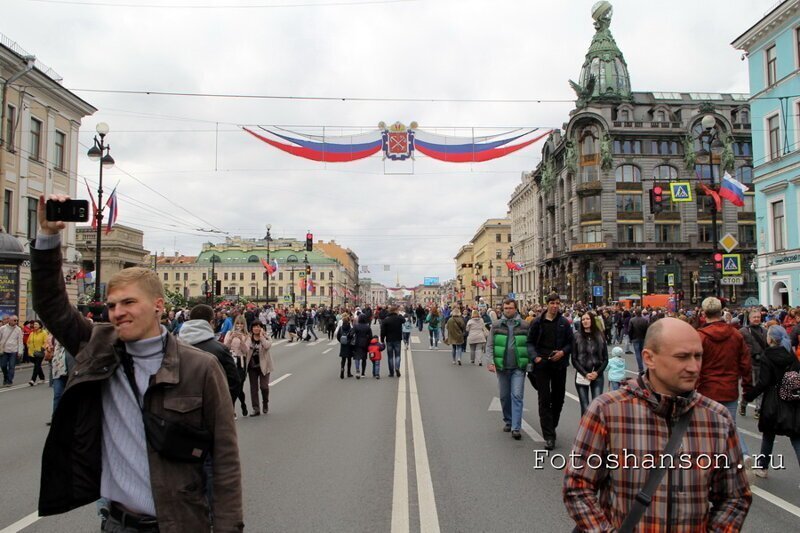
(429, 49)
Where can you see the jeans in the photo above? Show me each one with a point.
(767, 443)
(596, 388)
(512, 392)
(457, 351)
(112, 525)
(638, 345)
(312, 332)
(8, 363)
(479, 347)
(376, 369)
(613, 385)
(407, 337)
(393, 349)
(550, 382)
(420, 323)
(434, 337)
(59, 384)
(732, 407)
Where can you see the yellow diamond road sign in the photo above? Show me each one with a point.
(729, 242)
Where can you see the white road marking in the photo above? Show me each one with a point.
(333, 343)
(771, 498)
(428, 516)
(281, 341)
(17, 387)
(748, 433)
(415, 339)
(273, 382)
(324, 351)
(292, 344)
(19, 525)
(497, 406)
(570, 395)
(532, 433)
(400, 513)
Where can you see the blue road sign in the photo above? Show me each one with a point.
(597, 290)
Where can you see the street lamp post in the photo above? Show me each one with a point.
(100, 152)
(511, 259)
(330, 278)
(292, 259)
(460, 279)
(710, 138)
(477, 280)
(491, 285)
(214, 259)
(268, 238)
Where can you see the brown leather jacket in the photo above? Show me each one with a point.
(189, 387)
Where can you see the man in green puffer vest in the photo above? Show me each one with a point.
(507, 355)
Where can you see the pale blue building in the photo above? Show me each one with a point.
(772, 48)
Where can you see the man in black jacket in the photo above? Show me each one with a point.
(198, 332)
(636, 333)
(550, 344)
(755, 335)
(392, 336)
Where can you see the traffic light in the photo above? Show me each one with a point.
(656, 199)
(308, 271)
(718, 262)
(309, 242)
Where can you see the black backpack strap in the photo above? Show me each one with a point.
(645, 496)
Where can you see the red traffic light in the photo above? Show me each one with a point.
(718, 258)
(658, 191)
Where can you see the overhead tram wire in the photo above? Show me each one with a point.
(338, 3)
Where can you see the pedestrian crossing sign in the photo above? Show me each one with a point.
(681, 191)
(731, 264)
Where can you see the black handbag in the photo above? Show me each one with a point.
(176, 440)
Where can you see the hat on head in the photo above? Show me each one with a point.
(617, 352)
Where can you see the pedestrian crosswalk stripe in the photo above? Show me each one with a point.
(333, 343)
(415, 339)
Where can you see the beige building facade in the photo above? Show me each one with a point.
(39, 149)
(122, 247)
(465, 273)
(490, 248)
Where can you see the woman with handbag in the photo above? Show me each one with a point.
(590, 358)
(36, 345)
(778, 417)
(259, 366)
(236, 341)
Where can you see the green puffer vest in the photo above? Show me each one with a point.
(520, 342)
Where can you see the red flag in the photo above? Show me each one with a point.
(270, 269)
(712, 193)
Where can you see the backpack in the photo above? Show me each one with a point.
(789, 389)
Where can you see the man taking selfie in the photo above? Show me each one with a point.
(141, 410)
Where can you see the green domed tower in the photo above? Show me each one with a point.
(604, 76)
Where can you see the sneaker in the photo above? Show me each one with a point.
(507, 428)
(480, 364)
(454, 362)
(244, 410)
(358, 376)
(235, 417)
(431, 347)
(515, 434)
(32, 383)
(459, 362)
(549, 444)
(742, 409)
(757, 414)
(398, 373)
(761, 472)
(255, 412)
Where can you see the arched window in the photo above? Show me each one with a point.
(665, 173)
(252, 259)
(590, 155)
(628, 174)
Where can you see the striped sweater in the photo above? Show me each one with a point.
(630, 425)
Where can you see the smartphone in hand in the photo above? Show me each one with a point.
(67, 211)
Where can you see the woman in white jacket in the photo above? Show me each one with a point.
(259, 366)
(476, 337)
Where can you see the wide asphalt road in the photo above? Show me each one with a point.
(424, 452)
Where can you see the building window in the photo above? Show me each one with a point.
(593, 233)
(627, 147)
(205, 276)
(705, 204)
(629, 203)
(624, 115)
(747, 234)
(7, 203)
(590, 204)
(744, 116)
(11, 118)
(590, 157)
(185, 276)
(508, 237)
(177, 276)
(35, 151)
(253, 291)
(61, 141)
(749, 204)
(280, 276)
(664, 147)
(253, 276)
(704, 232)
(778, 241)
(166, 276)
(704, 171)
(498, 254)
(225, 276)
(744, 149)
(33, 220)
(668, 233)
(280, 291)
(271, 291)
(241, 276)
(661, 116)
(630, 233)
(774, 144)
(772, 65)
(241, 291)
(314, 276)
(628, 174)
(497, 237)
(665, 173)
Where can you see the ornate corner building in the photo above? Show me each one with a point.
(582, 221)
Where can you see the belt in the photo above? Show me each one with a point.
(133, 520)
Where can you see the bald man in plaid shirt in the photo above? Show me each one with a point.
(706, 490)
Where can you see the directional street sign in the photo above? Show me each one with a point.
(728, 242)
(597, 290)
(732, 280)
(681, 191)
(731, 264)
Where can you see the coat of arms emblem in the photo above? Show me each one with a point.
(398, 141)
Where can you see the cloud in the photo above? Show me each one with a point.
(469, 49)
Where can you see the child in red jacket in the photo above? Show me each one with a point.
(374, 350)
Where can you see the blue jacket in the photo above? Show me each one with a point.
(616, 369)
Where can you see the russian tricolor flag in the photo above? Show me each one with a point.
(732, 190)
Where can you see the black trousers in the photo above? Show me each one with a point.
(550, 382)
(349, 360)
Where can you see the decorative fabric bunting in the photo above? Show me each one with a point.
(732, 190)
(514, 266)
(398, 143)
